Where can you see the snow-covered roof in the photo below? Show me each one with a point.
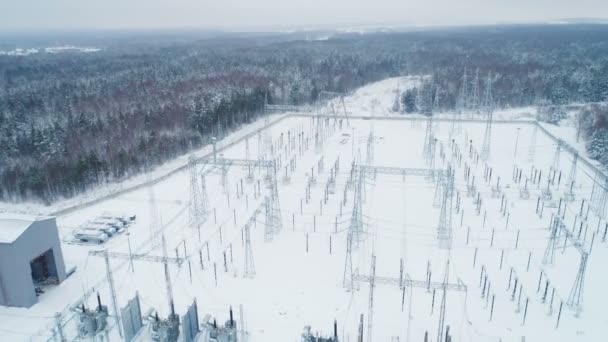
(13, 225)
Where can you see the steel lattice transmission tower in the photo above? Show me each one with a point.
(198, 208)
(428, 135)
(249, 271)
(489, 109)
(355, 229)
(274, 222)
(444, 229)
(370, 312)
(569, 195)
(463, 98)
(267, 150)
(370, 148)
(556, 156)
(356, 221)
(428, 139)
(475, 103)
(462, 104)
(575, 299)
(441, 326)
(348, 281)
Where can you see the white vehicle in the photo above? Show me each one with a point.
(126, 219)
(110, 221)
(90, 235)
(101, 227)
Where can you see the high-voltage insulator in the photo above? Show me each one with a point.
(92, 323)
(217, 333)
(308, 336)
(165, 330)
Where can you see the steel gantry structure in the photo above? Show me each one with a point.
(274, 222)
(143, 257)
(444, 179)
(558, 229)
(329, 96)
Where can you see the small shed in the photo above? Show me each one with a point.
(30, 258)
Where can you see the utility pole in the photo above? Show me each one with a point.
(516, 143)
(168, 276)
(555, 164)
(532, 148)
(113, 293)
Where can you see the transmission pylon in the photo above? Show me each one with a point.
(266, 139)
(360, 331)
(356, 222)
(551, 243)
(475, 102)
(268, 228)
(428, 135)
(370, 148)
(463, 98)
(444, 229)
(432, 156)
(110, 278)
(169, 287)
(249, 271)
(569, 195)
(489, 109)
(260, 146)
(418, 101)
(462, 104)
(224, 175)
(370, 312)
(197, 197)
(275, 202)
(555, 164)
(444, 286)
(274, 222)
(348, 280)
(575, 299)
(438, 195)
(532, 147)
(435, 100)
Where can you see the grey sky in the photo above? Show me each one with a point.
(234, 14)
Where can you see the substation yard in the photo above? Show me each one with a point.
(492, 276)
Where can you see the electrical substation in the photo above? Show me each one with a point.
(434, 227)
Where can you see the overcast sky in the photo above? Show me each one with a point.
(239, 14)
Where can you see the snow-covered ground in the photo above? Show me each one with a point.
(300, 274)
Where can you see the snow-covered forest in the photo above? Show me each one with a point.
(72, 120)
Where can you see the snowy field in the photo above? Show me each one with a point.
(499, 284)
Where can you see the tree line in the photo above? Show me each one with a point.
(71, 121)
